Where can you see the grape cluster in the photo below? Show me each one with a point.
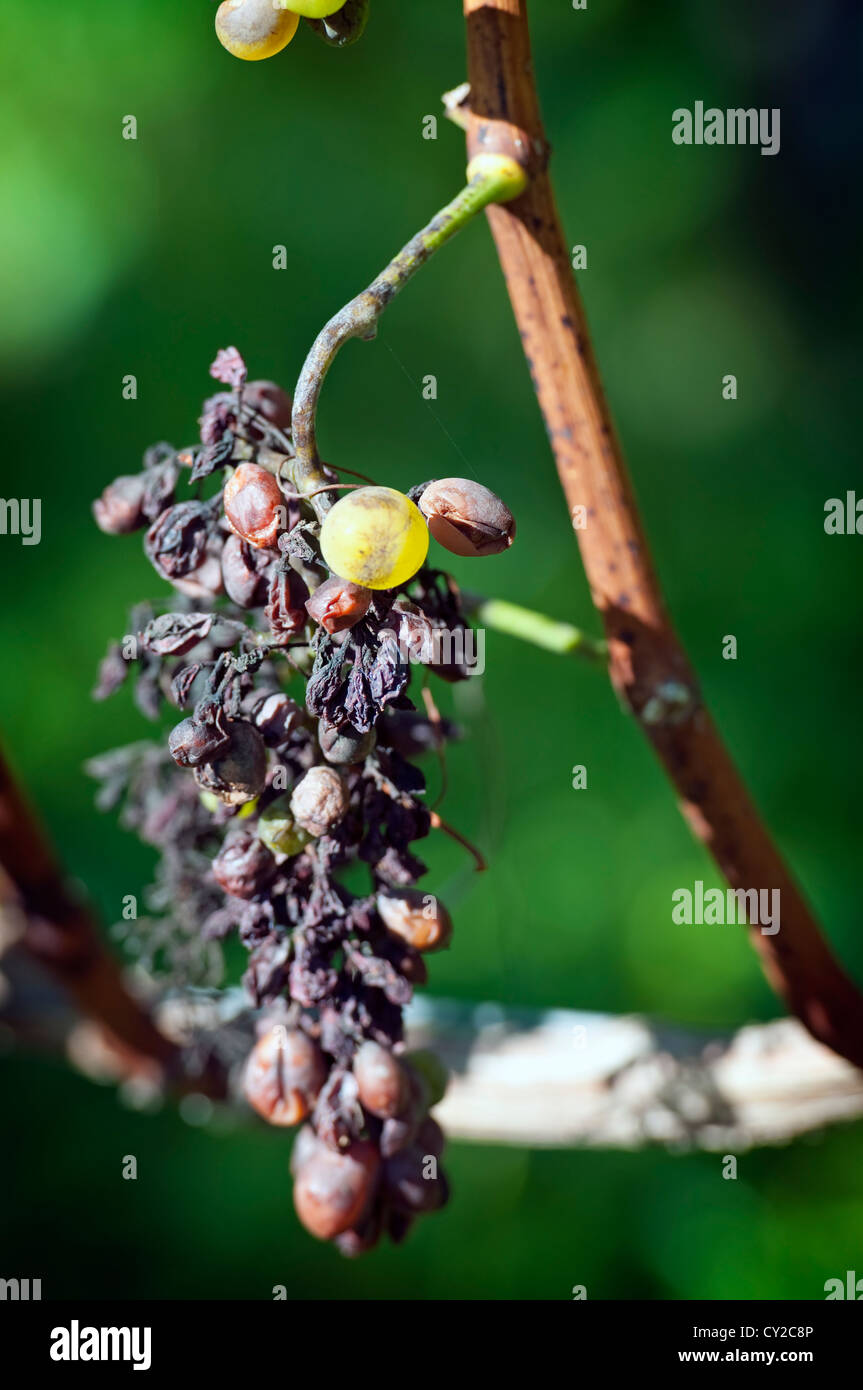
(287, 648)
(255, 29)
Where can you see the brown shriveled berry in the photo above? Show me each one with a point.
(344, 745)
(193, 741)
(254, 506)
(338, 604)
(246, 572)
(270, 401)
(362, 1237)
(319, 800)
(306, 1145)
(430, 1139)
(286, 608)
(354, 1243)
(277, 716)
(412, 734)
(120, 509)
(237, 775)
(219, 414)
(398, 1132)
(244, 867)
(418, 918)
(467, 518)
(413, 1181)
(176, 543)
(203, 582)
(382, 1083)
(408, 962)
(284, 1073)
(333, 1191)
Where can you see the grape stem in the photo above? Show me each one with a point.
(563, 638)
(359, 319)
(438, 824)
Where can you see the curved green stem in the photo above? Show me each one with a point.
(537, 628)
(359, 319)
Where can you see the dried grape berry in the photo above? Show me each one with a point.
(284, 1074)
(237, 774)
(120, 509)
(270, 401)
(338, 604)
(417, 918)
(467, 518)
(246, 572)
(333, 1191)
(244, 866)
(382, 1082)
(253, 504)
(319, 800)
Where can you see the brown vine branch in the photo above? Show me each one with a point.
(648, 665)
(58, 930)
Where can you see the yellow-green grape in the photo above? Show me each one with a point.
(254, 29)
(375, 536)
(315, 9)
(278, 829)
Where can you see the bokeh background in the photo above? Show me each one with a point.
(145, 257)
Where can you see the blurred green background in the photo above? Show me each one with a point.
(145, 257)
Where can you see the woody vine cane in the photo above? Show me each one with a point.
(648, 666)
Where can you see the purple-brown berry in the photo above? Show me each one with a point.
(237, 775)
(418, 918)
(338, 604)
(413, 1182)
(120, 509)
(276, 716)
(254, 506)
(246, 572)
(270, 401)
(383, 1085)
(284, 1073)
(176, 543)
(343, 744)
(467, 518)
(333, 1191)
(244, 867)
